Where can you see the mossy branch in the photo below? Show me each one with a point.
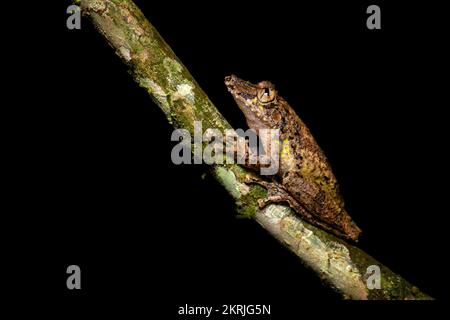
(155, 67)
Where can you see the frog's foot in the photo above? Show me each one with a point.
(275, 193)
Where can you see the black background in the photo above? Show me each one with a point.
(97, 187)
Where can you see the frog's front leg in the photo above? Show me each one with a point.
(246, 157)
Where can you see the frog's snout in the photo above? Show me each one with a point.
(230, 80)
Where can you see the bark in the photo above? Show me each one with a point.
(156, 68)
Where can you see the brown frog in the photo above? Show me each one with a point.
(304, 179)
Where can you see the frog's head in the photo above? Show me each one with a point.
(258, 102)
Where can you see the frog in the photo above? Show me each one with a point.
(304, 180)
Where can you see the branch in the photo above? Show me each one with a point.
(155, 67)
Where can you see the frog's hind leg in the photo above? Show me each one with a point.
(276, 194)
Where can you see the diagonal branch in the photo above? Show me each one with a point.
(155, 67)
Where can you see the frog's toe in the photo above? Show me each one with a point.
(249, 179)
(262, 203)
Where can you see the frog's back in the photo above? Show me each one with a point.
(304, 157)
(306, 174)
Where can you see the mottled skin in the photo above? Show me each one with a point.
(304, 180)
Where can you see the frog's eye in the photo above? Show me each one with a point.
(266, 95)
